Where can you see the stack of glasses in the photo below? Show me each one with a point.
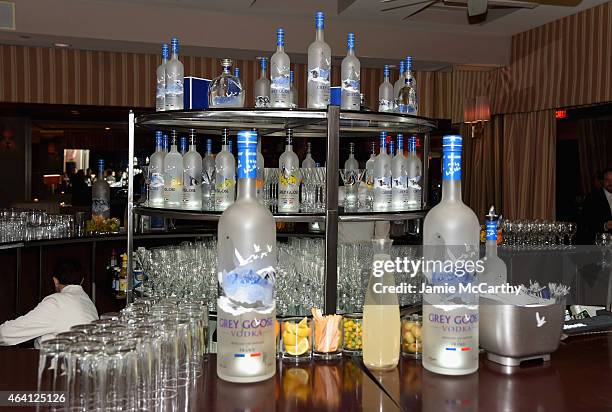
(189, 271)
(17, 225)
(537, 233)
(148, 357)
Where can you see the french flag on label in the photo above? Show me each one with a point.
(247, 355)
(463, 349)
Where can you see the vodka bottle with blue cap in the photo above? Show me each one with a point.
(225, 176)
(415, 171)
(407, 97)
(399, 83)
(192, 175)
(174, 79)
(280, 67)
(385, 93)
(100, 195)
(369, 176)
(293, 90)
(451, 235)
(262, 85)
(495, 272)
(226, 89)
(382, 177)
(208, 178)
(173, 176)
(160, 95)
(289, 178)
(156, 171)
(319, 68)
(399, 172)
(350, 70)
(183, 146)
(246, 264)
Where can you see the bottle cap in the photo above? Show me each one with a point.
(236, 71)
(280, 37)
(175, 45)
(159, 134)
(383, 139)
(247, 154)
(291, 76)
(402, 67)
(409, 63)
(208, 145)
(351, 40)
(452, 143)
(226, 63)
(386, 70)
(320, 19)
(263, 62)
(165, 51)
(491, 224)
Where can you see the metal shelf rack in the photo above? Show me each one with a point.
(332, 123)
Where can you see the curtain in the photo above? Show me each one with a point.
(528, 165)
(594, 150)
(482, 167)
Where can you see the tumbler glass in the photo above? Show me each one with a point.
(53, 366)
(86, 377)
(296, 339)
(72, 336)
(352, 325)
(121, 375)
(327, 337)
(411, 336)
(114, 316)
(87, 329)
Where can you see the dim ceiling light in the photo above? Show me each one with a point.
(107, 128)
(61, 44)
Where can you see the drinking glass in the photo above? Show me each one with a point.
(86, 377)
(87, 329)
(296, 339)
(351, 179)
(121, 376)
(352, 325)
(53, 367)
(411, 336)
(72, 336)
(327, 337)
(113, 316)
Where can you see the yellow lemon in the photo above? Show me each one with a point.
(301, 348)
(290, 339)
(290, 327)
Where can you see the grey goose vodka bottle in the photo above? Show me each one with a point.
(451, 233)
(208, 178)
(495, 271)
(399, 173)
(415, 171)
(280, 65)
(385, 93)
(262, 86)
(351, 74)
(174, 79)
(160, 95)
(173, 176)
(225, 176)
(289, 178)
(192, 175)
(319, 68)
(246, 264)
(100, 195)
(156, 170)
(382, 177)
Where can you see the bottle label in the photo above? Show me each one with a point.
(318, 78)
(224, 192)
(451, 168)
(191, 189)
(400, 191)
(351, 97)
(174, 91)
(491, 229)
(262, 101)
(406, 108)
(173, 189)
(382, 192)
(157, 181)
(160, 98)
(100, 207)
(247, 161)
(385, 105)
(220, 101)
(288, 190)
(280, 90)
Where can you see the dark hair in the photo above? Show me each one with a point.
(68, 272)
(606, 171)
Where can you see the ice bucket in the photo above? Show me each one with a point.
(511, 334)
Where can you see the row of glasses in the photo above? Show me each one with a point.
(147, 357)
(17, 225)
(537, 233)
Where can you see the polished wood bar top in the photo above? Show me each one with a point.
(578, 378)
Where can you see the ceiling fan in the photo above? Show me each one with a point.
(476, 9)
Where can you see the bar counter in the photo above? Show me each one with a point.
(578, 378)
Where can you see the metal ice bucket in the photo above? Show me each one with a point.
(511, 334)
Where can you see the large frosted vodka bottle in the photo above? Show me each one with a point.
(192, 176)
(399, 172)
(369, 176)
(160, 95)
(289, 178)
(293, 91)
(208, 178)
(381, 314)
(100, 195)
(385, 93)
(262, 86)
(308, 161)
(399, 83)
(174, 79)
(415, 171)
(225, 176)
(382, 177)
(450, 234)
(226, 89)
(173, 176)
(280, 65)
(495, 271)
(351, 163)
(319, 68)
(247, 259)
(156, 170)
(351, 74)
(407, 97)
(260, 172)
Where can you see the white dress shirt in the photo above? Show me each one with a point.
(55, 314)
